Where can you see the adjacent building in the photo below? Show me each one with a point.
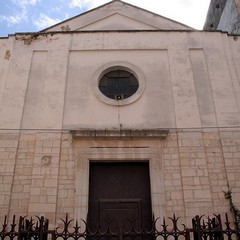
(224, 15)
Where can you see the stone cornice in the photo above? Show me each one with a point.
(119, 133)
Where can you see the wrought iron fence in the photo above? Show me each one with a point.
(203, 228)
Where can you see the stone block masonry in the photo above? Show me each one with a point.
(46, 173)
(8, 150)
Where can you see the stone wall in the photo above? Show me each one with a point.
(46, 173)
(8, 152)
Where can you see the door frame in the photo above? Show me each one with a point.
(85, 156)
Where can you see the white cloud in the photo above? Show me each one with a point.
(21, 12)
(75, 3)
(15, 19)
(86, 3)
(45, 21)
(66, 16)
(25, 3)
(56, 9)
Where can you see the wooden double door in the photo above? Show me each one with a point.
(119, 195)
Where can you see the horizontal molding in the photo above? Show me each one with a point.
(119, 133)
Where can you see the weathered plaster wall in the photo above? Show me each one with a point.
(6, 46)
(48, 81)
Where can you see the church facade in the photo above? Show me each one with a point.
(119, 108)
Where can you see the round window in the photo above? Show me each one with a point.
(118, 84)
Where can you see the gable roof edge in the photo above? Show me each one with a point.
(156, 14)
(108, 3)
(83, 13)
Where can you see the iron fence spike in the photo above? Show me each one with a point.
(212, 229)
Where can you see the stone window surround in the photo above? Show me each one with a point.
(114, 66)
(85, 156)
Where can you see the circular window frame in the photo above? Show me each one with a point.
(112, 67)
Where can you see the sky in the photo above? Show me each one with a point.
(34, 15)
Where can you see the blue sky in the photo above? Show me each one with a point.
(35, 15)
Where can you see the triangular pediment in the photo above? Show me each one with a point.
(116, 22)
(117, 15)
